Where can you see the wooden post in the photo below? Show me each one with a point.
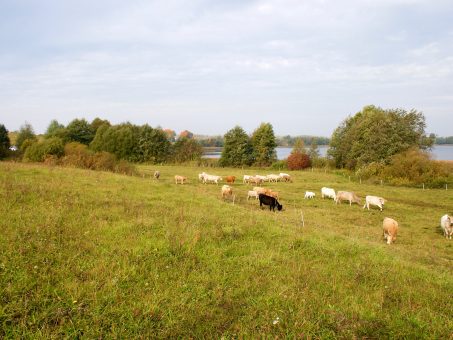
(423, 186)
(446, 186)
(349, 178)
(381, 181)
(302, 218)
(234, 198)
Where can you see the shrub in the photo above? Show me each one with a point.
(298, 161)
(37, 152)
(279, 165)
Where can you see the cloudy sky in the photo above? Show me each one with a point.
(207, 66)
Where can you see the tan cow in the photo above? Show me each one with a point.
(390, 229)
(180, 179)
(347, 196)
(260, 190)
(226, 191)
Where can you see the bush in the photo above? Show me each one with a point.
(279, 165)
(298, 161)
(37, 152)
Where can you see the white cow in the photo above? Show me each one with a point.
(285, 177)
(273, 178)
(201, 176)
(374, 200)
(328, 192)
(263, 178)
(226, 191)
(446, 223)
(211, 178)
(309, 194)
(252, 193)
(246, 179)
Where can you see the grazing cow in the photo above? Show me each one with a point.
(273, 178)
(309, 194)
(347, 196)
(271, 193)
(285, 177)
(252, 193)
(255, 180)
(270, 201)
(246, 179)
(211, 178)
(201, 176)
(374, 200)
(230, 179)
(226, 191)
(180, 179)
(156, 174)
(328, 192)
(390, 229)
(260, 190)
(263, 178)
(446, 223)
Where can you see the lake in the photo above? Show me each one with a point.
(439, 152)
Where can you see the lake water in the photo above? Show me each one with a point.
(439, 152)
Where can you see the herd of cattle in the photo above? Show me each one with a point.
(270, 198)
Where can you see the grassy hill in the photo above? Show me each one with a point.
(96, 254)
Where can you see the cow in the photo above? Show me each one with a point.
(201, 176)
(328, 192)
(390, 229)
(263, 178)
(271, 193)
(259, 190)
(273, 178)
(211, 178)
(309, 194)
(347, 196)
(255, 180)
(246, 179)
(180, 179)
(374, 200)
(446, 223)
(285, 177)
(156, 174)
(226, 191)
(230, 179)
(270, 201)
(252, 193)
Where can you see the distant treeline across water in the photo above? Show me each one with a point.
(439, 152)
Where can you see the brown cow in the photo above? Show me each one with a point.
(390, 227)
(230, 179)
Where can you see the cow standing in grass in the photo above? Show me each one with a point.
(270, 201)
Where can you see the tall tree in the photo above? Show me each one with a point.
(153, 145)
(237, 148)
(4, 141)
(97, 122)
(55, 129)
(375, 134)
(313, 152)
(186, 149)
(264, 144)
(26, 133)
(79, 130)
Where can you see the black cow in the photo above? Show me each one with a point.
(270, 201)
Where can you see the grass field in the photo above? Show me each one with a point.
(93, 254)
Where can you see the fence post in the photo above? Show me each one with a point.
(423, 186)
(349, 178)
(302, 217)
(381, 181)
(446, 186)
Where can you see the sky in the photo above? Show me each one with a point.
(207, 66)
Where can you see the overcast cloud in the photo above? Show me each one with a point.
(206, 66)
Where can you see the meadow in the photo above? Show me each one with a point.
(100, 255)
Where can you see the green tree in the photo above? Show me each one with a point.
(4, 142)
(375, 134)
(186, 149)
(26, 132)
(299, 146)
(79, 130)
(55, 129)
(264, 144)
(313, 152)
(238, 149)
(97, 122)
(153, 145)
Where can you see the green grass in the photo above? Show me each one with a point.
(94, 254)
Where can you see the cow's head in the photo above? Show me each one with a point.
(279, 206)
